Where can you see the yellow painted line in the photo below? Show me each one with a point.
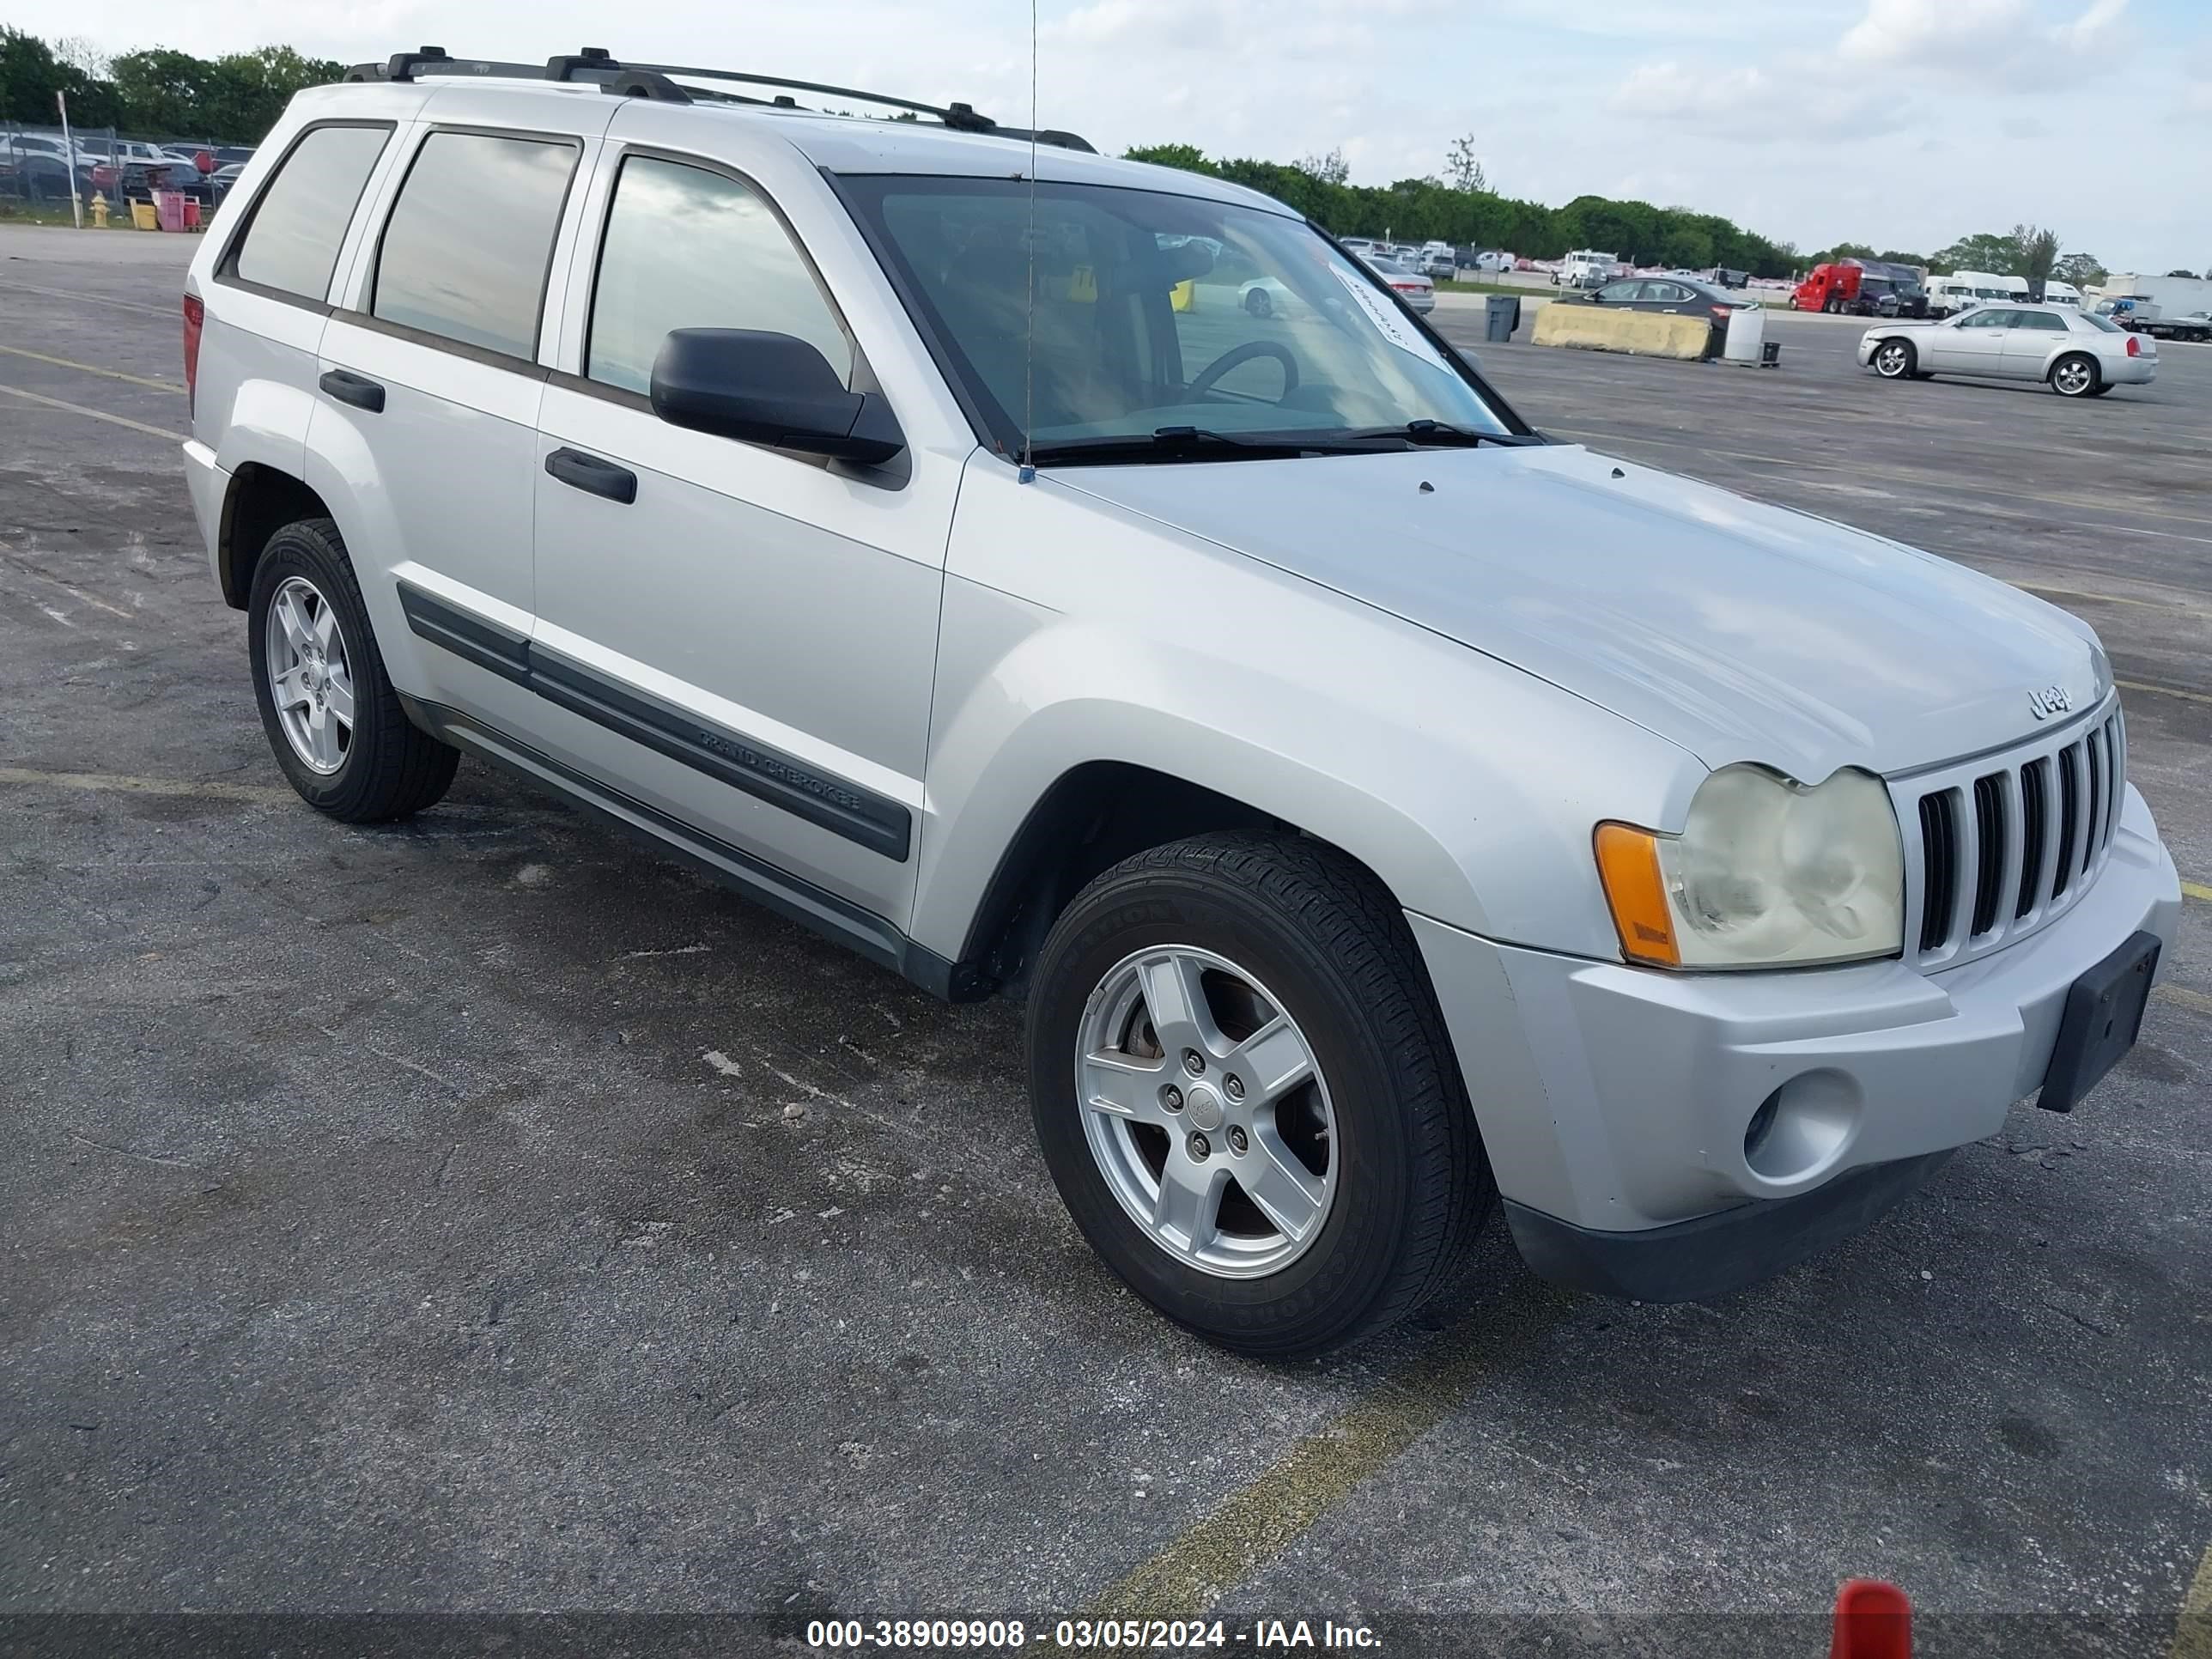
(2196, 1001)
(2162, 691)
(97, 300)
(95, 414)
(2197, 890)
(93, 368)
(2112, 598)
(2192, 1631)
(118, 783)
(1257, 1523)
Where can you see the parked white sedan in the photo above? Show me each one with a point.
(2078, 354)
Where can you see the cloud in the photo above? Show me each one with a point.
(1799, 100)
(2009, 45)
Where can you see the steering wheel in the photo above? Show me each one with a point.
(1210, 374)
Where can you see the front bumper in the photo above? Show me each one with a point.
(1613, 1102)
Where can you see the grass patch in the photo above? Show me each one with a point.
(48, 213)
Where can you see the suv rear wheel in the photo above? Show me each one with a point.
(332, 715)
(1244, 1093)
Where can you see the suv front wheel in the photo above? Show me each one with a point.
(332, 717)
(1244, 1093)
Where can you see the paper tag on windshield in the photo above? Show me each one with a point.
(1385, 317)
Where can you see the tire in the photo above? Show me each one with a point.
(1896, 360)
(2075, 375)
(2101, 388)
(380, 768)
(1282, 924)
(1258, 304)
(1834, 308)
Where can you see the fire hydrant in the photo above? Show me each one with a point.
(99, 211)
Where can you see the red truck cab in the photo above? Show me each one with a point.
(1865, 288)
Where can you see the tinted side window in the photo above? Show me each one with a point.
(292, 243)
(2043, 320)
(688, 248)
(465, 251)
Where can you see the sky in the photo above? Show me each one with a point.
(1905, 124)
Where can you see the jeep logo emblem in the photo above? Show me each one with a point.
(2051, 700)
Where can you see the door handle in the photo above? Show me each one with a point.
(356, 389)
(588, 472)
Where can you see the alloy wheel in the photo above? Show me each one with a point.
(310, 679)
(1206, 1110)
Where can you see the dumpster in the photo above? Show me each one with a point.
(1747, 332)
(141, 215)
(169, 208)
(1501, 316)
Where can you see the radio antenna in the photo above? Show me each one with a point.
(1028, 471)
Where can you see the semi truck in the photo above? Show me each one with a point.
(2166, 307)
(2147, 316)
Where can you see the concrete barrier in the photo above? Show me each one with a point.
(1642, 333)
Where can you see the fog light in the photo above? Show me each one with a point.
(1761, 1125)
(1801, 1130)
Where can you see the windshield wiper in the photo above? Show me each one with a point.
(1194, 441)
(1437, 435)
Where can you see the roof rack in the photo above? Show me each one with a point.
(596, 65)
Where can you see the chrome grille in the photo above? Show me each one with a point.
(1995, 847)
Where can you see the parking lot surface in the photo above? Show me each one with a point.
(482, 1215)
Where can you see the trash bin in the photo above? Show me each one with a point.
(1501, 316)
(141, 215)
(192, 213)
(169, 208)
(1747, 332)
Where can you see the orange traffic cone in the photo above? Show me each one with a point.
(1873, 1621)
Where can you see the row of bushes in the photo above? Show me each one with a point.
(1427, 210)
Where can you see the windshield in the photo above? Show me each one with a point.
(1154, 312)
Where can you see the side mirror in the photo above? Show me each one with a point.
(771, 389)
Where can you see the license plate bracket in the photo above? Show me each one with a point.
(2104, 1013)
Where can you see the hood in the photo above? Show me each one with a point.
(1739, 630)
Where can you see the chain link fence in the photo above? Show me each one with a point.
(42, 170)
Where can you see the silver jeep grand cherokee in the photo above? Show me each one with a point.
(1387, 813)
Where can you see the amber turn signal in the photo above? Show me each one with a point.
(1628, 864)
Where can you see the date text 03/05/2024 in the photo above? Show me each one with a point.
(1124, 1635)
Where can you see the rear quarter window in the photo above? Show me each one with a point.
(290, 243)
(465, 250)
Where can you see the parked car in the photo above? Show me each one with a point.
(41, 177)
(1676, 295)
(2078, 354)
(1265, 296)
(1488, 260)
(1411, 286)
(1385, 814)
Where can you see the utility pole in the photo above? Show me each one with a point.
(76, 208)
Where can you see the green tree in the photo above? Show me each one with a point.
(2184, 271)
(246, 91)
(1189, 157)
(1330, 169)
(2038, 252)
(162, 91)
(1464, 169)
(1987, 250)
(29, 76)
(2080, 269)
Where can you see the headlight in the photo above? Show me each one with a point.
(1765, 873)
